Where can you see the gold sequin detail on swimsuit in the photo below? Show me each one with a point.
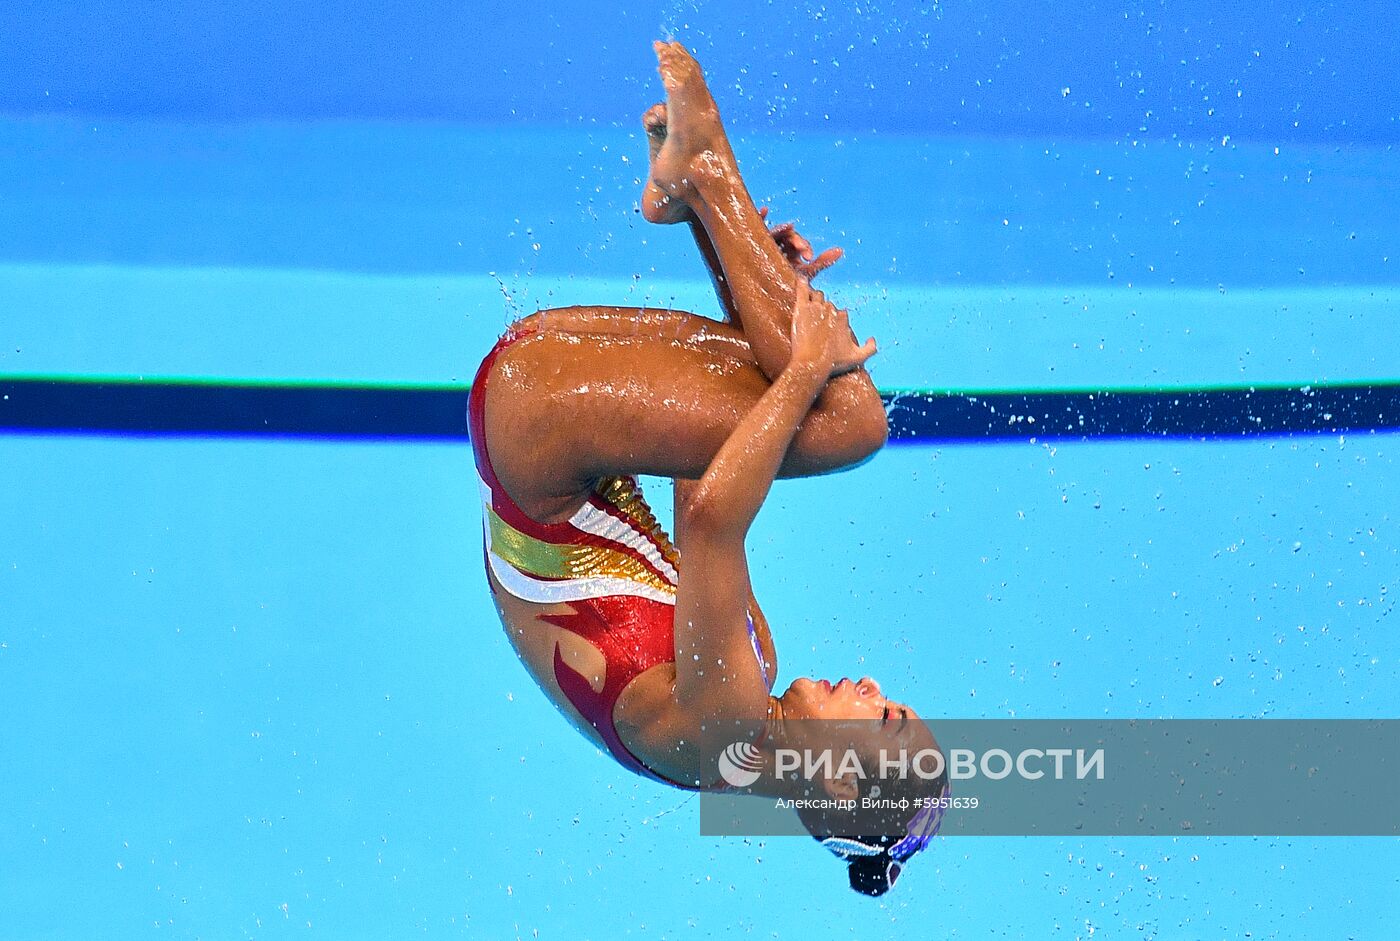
(623, 493)
(636, 550)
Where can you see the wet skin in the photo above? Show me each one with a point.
(597, 391)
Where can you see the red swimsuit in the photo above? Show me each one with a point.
(611, 562)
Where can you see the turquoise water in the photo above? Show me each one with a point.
(256, 687)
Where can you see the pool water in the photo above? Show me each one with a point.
(255, 686)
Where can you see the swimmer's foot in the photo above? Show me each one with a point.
(685, 136)
(657, 206)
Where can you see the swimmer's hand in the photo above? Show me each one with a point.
(821, 334)
(798, 251)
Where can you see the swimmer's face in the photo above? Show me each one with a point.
(858, 715)
(889, 721)
(823, 699)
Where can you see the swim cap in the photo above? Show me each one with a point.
(873, 863)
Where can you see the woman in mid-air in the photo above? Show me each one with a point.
(663, 663)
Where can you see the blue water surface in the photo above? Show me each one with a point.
(257, 688)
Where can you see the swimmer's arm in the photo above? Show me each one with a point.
(725, 501)
(683, 490)
(727, 498)
(716, 673)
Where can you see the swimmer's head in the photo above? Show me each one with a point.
(900, 777)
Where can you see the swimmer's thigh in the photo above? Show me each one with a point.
(565, 407)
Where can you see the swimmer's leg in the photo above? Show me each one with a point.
(594, 391)
(694, 173)
(664, 211)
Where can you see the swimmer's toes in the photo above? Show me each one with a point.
(654, 120)
(655, 125)
(692, 118)
(679, 70)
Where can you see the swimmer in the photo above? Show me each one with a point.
(657, 651)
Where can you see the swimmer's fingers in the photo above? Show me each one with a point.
(846, 355)
(794, 247)
(810, 269)
(785, 234)
(798, 250)
(822, 333)
(811, 326)
(855, 358)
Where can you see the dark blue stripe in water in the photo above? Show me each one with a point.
(1165, 413)
(206, 409)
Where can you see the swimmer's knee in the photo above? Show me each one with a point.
(872, 430)
(866, 429)
(858, 405)
(848, 426)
